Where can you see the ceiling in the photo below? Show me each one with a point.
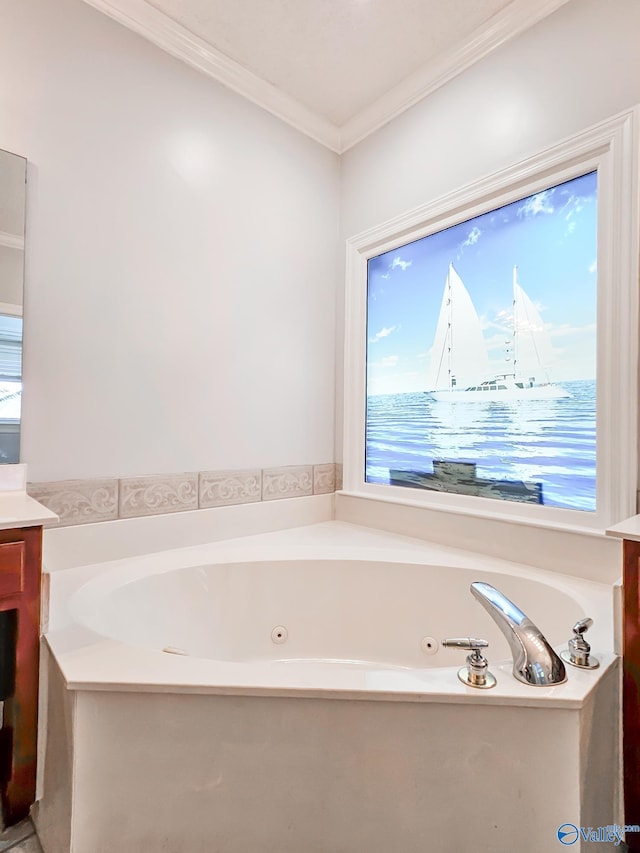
(334, 56)
(336, 69)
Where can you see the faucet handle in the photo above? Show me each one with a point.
(579, 651)
(476, 672)
(469, 643)
(583, 625)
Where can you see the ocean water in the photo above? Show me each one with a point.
(551, 442)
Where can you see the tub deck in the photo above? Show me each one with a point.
(92, 660)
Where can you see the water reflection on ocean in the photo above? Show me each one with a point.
(552, 442)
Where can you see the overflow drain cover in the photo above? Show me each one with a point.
(429, 645)
(279, 634)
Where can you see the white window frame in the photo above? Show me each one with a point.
(611, 148)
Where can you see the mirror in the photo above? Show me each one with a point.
(13, 172)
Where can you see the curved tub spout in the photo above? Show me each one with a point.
(534, 661)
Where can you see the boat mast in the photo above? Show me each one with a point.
(515, 325)
(450, 330)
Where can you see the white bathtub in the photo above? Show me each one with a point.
(274, 754)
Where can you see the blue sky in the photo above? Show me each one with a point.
(550, 236)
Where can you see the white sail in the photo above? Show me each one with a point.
(458, 355)
(438, 372)
(533, 352)
(459, 367)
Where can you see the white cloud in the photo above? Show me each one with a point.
(383, 333)
(473, 237)
(571, 209)
(397, 263)
(538, 203)
(593, 267)
(389, 361)
(575, 204)
(502, 320)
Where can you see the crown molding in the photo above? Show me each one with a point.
(172, 37)
(11, 241)
(517, 17)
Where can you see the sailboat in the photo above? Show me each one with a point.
(459, 368)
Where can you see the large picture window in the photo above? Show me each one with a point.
(481, 354)
(491, 342)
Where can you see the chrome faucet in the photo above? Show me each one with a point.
(534, 661)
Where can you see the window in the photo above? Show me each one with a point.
(476, 328)
(452, 307)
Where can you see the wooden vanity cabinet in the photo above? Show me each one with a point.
(20, 577)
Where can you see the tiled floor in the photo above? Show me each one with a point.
(20, 838)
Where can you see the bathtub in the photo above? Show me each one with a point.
(203, 700)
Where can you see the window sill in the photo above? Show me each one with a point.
(505, 518)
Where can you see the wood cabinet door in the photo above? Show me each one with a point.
(20, 578)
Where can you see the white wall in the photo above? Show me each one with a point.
(181, 259)
(181, 270)
(576, 67)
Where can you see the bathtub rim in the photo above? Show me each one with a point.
(89, 661)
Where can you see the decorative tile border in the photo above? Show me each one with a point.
(78, 501)
(87, 501)
(156, 495)
(293, 481)
(227, 488)
(324, 479)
